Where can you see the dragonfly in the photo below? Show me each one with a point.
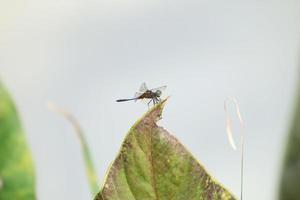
(145, 93)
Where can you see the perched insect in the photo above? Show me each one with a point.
(145, 93)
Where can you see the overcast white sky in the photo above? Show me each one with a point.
(84, 54)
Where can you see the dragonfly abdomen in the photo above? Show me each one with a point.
(122, 100)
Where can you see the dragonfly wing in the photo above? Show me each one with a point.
(143, 88)
(162, 88)
(137, 95)
(141, 91)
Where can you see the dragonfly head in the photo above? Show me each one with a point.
(158, 93)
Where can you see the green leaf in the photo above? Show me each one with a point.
(16, 168)
(154, 165)
(290, 180)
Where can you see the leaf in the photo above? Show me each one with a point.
(154, 165)
(16, 168)
(290, 178)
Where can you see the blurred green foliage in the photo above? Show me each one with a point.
(290, 180)
(88, 161)
(17, 180)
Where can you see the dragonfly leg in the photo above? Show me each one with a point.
(154, 101)
(149, 102)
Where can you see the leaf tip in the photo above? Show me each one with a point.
(155, 113)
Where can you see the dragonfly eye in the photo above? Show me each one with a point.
(158, 93)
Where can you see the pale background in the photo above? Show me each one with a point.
(84, 54)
